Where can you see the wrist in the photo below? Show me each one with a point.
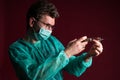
(67, 53)
(87, 57)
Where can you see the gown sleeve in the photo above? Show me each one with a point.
(77, 66)
(34, 71)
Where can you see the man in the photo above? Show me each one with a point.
(41, 56)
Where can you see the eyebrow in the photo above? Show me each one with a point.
(46, 23)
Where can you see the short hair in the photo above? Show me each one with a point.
(40, 8)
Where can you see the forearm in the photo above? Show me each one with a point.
(52, 66)
(43, 71)
(77, 65)
(87, 57)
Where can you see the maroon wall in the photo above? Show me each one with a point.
(77, 18)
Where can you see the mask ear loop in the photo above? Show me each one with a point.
(32, 34)
(35, 35)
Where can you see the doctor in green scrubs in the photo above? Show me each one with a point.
(41, 56)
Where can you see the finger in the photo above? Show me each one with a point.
(82, 38)
(73, 40)
(83, 44)
(97, 52)
(87, 40)
(81, 49)
(100, 50)
(97, 43)
(99, 39)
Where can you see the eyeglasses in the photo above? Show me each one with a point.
(49, 26)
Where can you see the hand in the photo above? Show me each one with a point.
(96, 49)
(76, 46)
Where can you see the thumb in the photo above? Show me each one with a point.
(82, 38)
(73, 40)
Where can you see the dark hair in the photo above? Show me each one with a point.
(40, 8)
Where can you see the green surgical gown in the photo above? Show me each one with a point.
(44, 60)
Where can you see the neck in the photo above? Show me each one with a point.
(29, 36)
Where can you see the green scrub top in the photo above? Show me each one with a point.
(44, 60)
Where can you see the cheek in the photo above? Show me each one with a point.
(48, 28)
(36, 28)
(43, 27)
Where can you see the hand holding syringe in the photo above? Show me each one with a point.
(91, 39)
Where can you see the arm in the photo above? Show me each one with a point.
(34, 71)
(77, 65)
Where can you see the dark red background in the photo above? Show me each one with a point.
(77, 18)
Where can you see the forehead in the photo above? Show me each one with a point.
(48, 19)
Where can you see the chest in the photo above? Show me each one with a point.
(43, 50)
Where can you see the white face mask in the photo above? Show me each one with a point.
(45, 34)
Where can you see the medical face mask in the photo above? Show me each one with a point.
(45, 34)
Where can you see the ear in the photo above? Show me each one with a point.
(31, 21)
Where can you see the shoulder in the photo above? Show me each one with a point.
(56, 42)
(19, 45)
(54, 39)
(15, 44)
